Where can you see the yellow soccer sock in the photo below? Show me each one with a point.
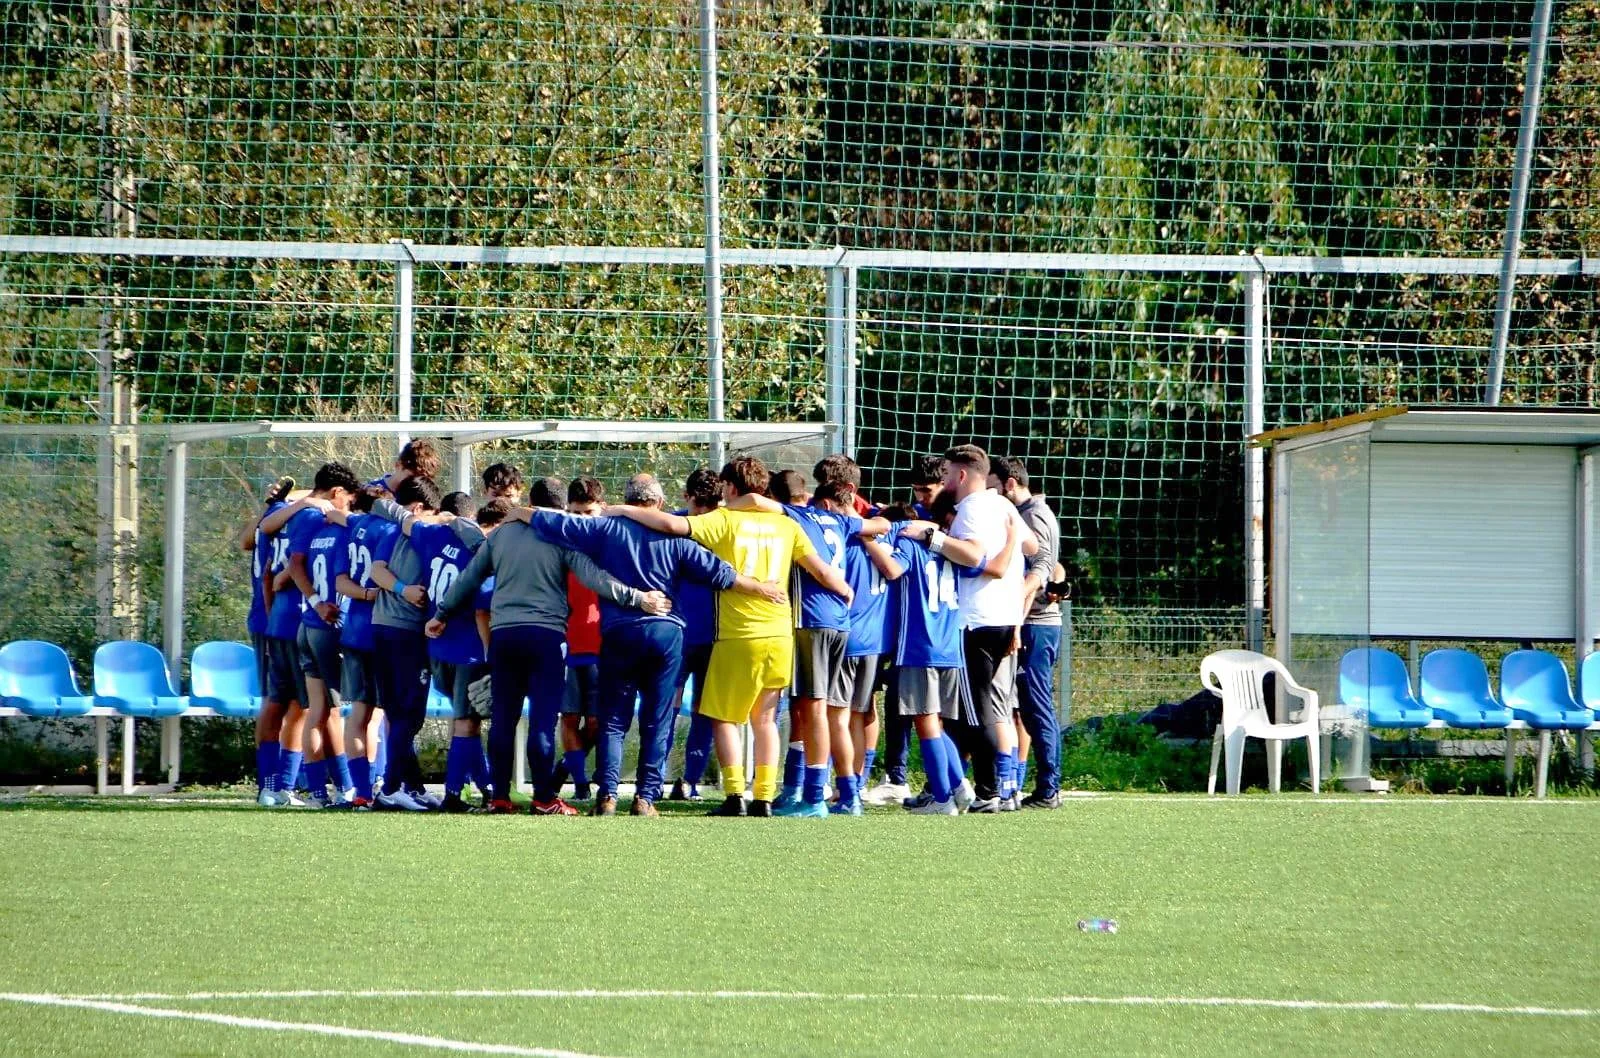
(766, 785)
(733, 780)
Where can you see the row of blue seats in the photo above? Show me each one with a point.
(1535, 691)
(132, 679)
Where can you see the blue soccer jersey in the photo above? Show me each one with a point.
(327, 556)
(929, 613)
(262, 556)
(827, 531)
(284, 620)
(444, 555)
(869, 610)
(696, 603)
(368, 536)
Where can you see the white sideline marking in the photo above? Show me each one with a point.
(406, 1038)
(849, 997)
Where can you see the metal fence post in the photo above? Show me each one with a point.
(840, 366)
(172, 596)
(463, 471)
(711, 165)
(1584, 619)
(405, 278)
(1516, 210)
(1255, 577)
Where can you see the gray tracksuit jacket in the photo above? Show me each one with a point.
(530, 580)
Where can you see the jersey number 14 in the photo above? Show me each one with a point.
(941, 584)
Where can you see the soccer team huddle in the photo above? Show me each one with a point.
(763, 590)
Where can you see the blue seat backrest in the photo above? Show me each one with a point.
(1373, 676)
(1455, 676)
(224, 670)
(131, 670)
(1534, 677)
(31, 668)
(1589, 681)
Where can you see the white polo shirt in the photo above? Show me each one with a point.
(988, 601)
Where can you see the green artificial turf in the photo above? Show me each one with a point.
(928, 936)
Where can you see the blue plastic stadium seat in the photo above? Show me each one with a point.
(132, 678)
(223, 678)
(1589, 682)
(438, 703)
(1455, 685)
(1534, 686)
(36, 679)
(1376, 680)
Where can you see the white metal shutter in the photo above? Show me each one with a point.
(1473, 541)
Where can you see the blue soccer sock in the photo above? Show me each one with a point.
(794, 766)
(268, 760)
(576, 762)
(361, 776)
(341, 772)
(954, 772)
(813, 782)
(1004, 775)
(288, 769)
(1022, 773)
(696, 751)
(933, 759)
(457, 765)
(480, 766)
(866, 766)
(317, 777)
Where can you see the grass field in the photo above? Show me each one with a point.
(1252, 926)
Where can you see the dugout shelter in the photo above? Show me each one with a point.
(1428, 523)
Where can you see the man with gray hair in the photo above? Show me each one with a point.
(639, 653)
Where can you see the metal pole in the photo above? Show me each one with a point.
(1254, 465)
(117, 582)
(711, 164)
(464, 468)
(1584, 634)
(1538, 45)
(849, 422)
(173, 558)
(836, 356)
(172, 570)
(405, 278)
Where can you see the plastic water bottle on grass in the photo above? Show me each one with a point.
(1097, 925)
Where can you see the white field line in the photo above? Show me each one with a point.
(406, 1038)
(1360, 1005)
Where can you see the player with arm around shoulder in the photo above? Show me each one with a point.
(315, 562)
(456, 656)
(641, 653)
(527, 636)
(753, 657)
(931, 685)
(399, 647)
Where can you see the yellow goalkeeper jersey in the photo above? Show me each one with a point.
(759, 545)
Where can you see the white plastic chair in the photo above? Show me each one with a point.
(1238, 676)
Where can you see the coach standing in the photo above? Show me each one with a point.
(991, 613)
(1041, 631)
